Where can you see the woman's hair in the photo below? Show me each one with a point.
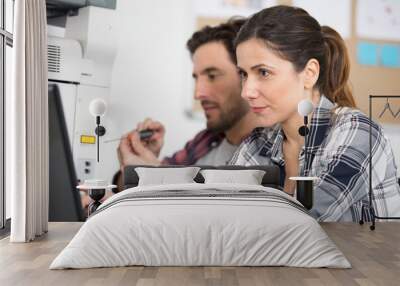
(297, 37)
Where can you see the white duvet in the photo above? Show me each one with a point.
(224, 225)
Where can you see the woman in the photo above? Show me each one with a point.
(285, 56)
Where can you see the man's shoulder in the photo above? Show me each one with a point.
(194, 149)
(208, 135)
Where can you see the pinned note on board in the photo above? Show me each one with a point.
(378, 19)
(390, 56)
(368, 54)
(385, 55)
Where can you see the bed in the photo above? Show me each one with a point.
(201, 224)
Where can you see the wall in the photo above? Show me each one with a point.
(152, 70)
(152, 75)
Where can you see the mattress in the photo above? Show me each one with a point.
(201, 225)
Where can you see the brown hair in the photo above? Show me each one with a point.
(298, 37)
(224, 33)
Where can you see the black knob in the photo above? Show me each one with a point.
(100, 130)
(303, 130)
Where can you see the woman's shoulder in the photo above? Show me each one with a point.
(249, 151)
(347, 118)
(262, 134)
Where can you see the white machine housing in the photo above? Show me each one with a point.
(81, 65)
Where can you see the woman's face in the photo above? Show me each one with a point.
(269, 83)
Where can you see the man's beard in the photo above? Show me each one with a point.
(229, 117)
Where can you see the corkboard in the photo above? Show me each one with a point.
(364, 80)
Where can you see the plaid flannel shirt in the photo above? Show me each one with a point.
(338, 148)
(198, 147)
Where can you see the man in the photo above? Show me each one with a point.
(218, 88)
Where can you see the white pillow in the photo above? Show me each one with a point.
(162, 176)
(248, 177)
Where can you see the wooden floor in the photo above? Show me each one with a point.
(374, 255)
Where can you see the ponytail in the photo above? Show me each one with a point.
(333, 81)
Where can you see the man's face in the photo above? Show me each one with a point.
(217, 86)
